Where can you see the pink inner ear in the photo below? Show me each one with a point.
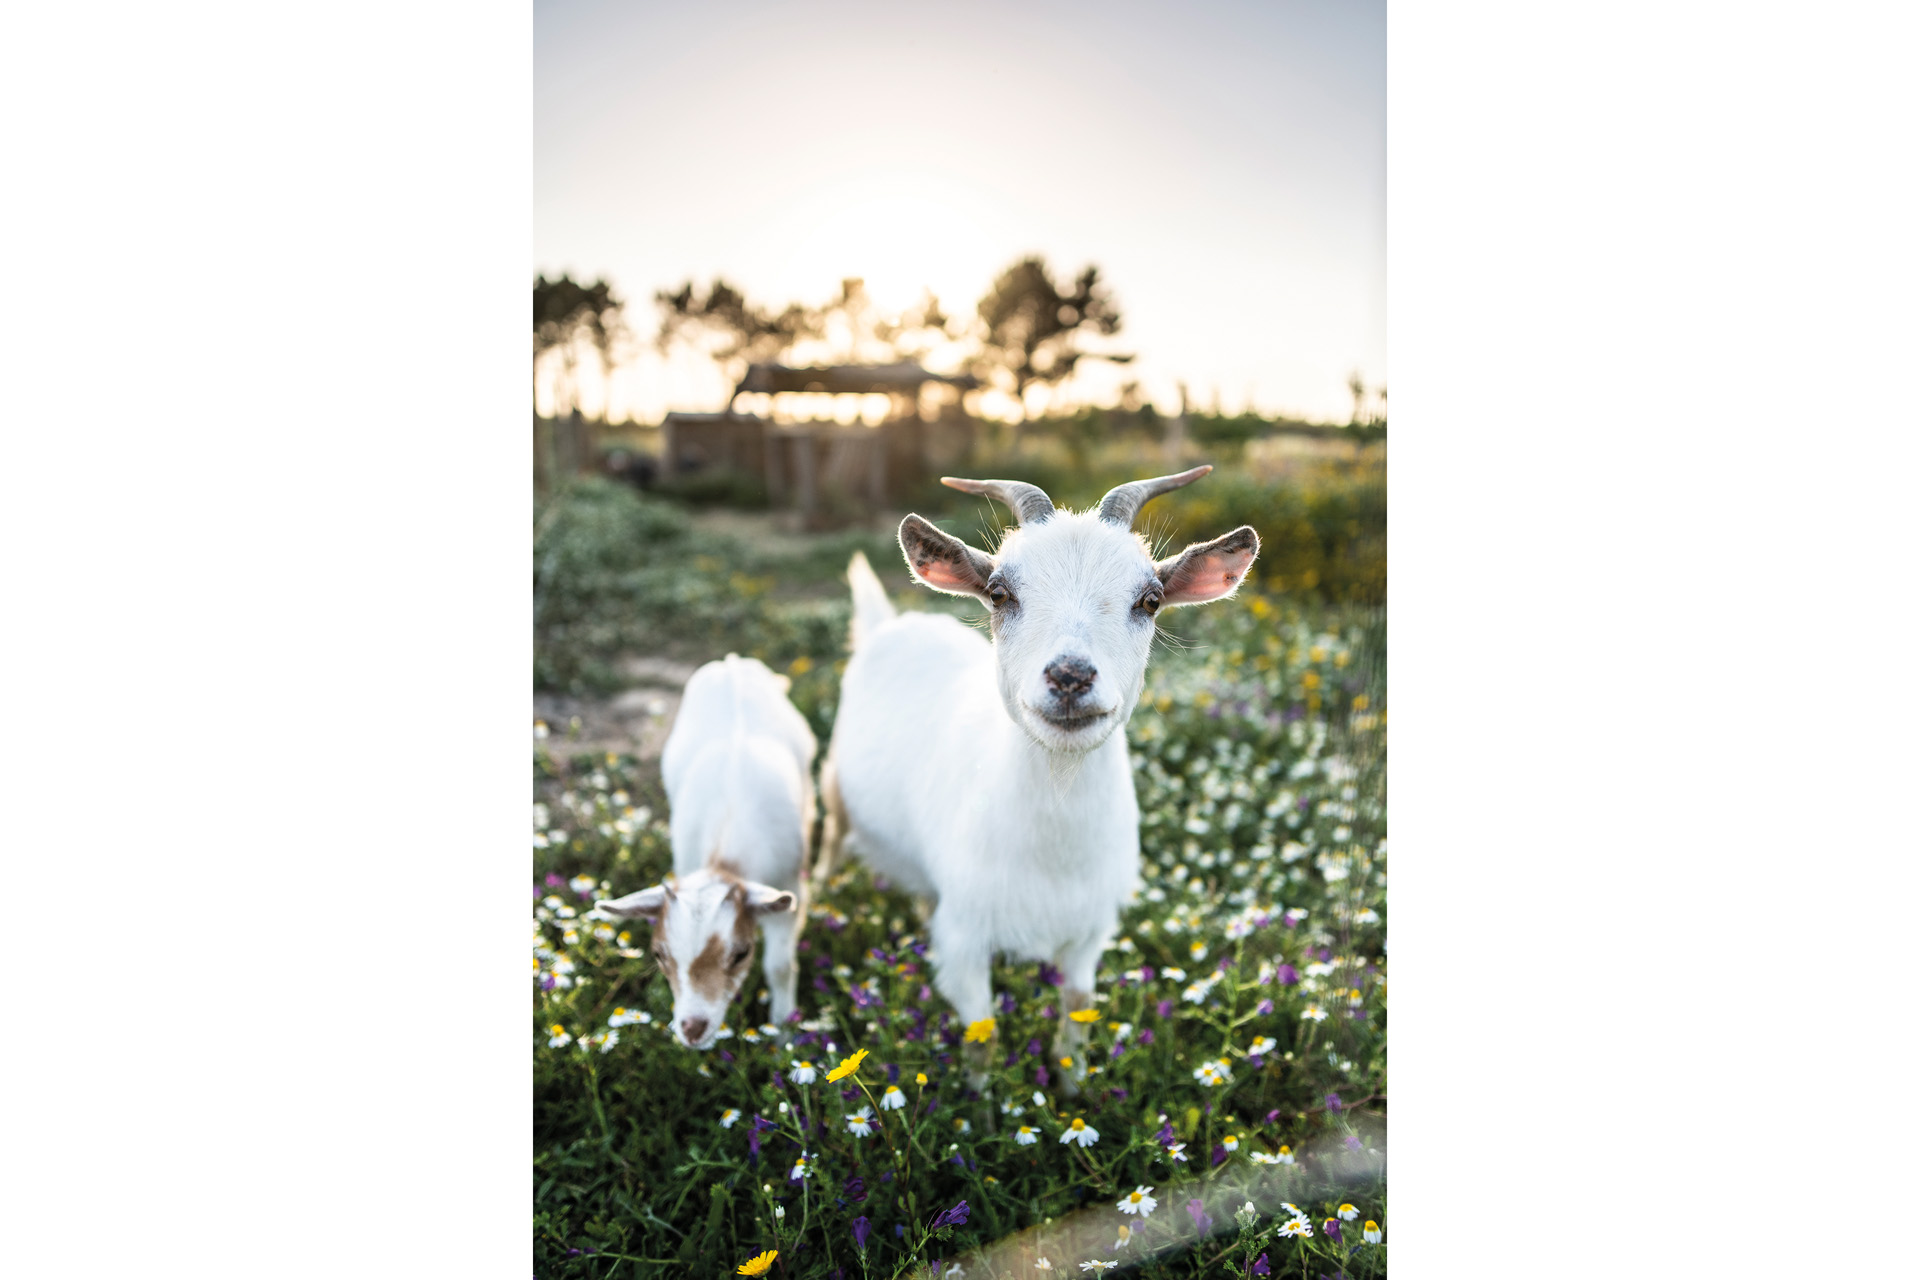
(1208, 577)
(944, 574)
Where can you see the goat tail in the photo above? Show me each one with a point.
(871, 607)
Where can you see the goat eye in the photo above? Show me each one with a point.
(1151, 603)
(740, 956)
(998, 594)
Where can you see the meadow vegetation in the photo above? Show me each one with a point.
(1233, 1117)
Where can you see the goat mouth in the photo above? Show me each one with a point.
(1071, 721)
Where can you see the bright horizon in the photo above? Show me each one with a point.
(1224, 166)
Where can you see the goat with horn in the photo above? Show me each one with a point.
(990, 777)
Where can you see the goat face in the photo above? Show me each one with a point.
(703, 933)
(1072, 600)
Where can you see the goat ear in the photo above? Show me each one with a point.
(1207, 571)
(942, 561)
(644, 905)
(763, 898)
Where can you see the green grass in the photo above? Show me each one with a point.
(1259, 752)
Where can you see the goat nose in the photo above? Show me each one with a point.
(693, 1029)
(1070, 677)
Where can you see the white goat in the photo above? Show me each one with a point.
(738, 771)
(992, 777)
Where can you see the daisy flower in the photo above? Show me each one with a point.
(758, 1265)
(1139, 1200)
(1212, 1073)
(1125, 1238)
(1348, 1213)
(801, 1169)
(582, 884)
(1026, 1137)
(860, 1123)
(1371, 1232)
(1297, 1227)
(1262, 1044)
(1231, 1142)
(1042, 1264)
(1261, 1157)
(1079, 1132)
(848, 1066)
(1177, 1152)
(804, 1072)
(727, 1118)
(892, 1099)
(557, 1036)
(1285, 1156)
(1314, 1013)
(1096, 1266)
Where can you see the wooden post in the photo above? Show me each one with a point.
(803, 475)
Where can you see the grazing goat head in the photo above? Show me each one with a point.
(1073, 597)
(703, 931)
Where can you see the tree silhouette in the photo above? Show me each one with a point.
(564, 312)
(1033, 328)
(725, 326)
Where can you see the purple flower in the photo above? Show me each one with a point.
(856, 1189)
(554, 881)
(1145, 1038)
(926, 993)
(1199, 1215)
(893, 1073)
(778, 1083)
(861, 1229)
(1007, 1003)
(1219, 1154)
(1165, 1136)
(954, 1217)
(1165, 1009)
(1353, 1143)
(1272, 1116)
(1040, 1076)
(1333, 1102)
(1286, 975)
(1332, 1229)
(1050, 975)
(547, 983)
(725, 1056)
(1263, 1008)
(1146, 973)
(1260, 1267)
(1033, 1049)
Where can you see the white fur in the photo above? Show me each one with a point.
(738, 773)
(946, 775)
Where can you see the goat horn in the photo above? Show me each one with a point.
(1028, 502)
(1123, 502)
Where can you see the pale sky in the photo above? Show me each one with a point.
(1223, 163)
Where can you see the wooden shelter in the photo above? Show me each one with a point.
(824, 469)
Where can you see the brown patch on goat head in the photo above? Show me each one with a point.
(710, 970)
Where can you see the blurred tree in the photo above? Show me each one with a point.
(725, 326)
(1358, 387)
(564, 313)
(1033, 328)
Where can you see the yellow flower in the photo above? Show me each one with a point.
(759, 1266)
(1085, 1015)
(1067, 1063)
(919, 1077)
(1311, 679)
(1360, 702)
(800, 665)
(847, 1067)
(980, 1032)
